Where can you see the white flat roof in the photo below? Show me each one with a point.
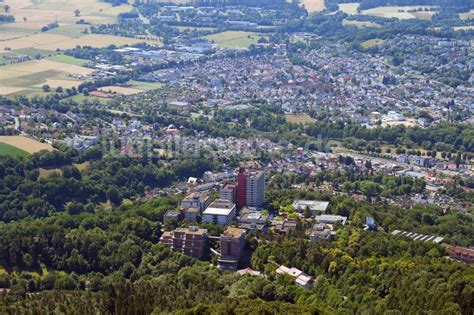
(218, 211)
(315, 205)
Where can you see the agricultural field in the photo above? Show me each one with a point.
(463, 28)
(372, 43)
(51, 41)
(32, 16)
(467, 15)
(299, 119)
(234, 39)
(349, 8)
(32, 75)
(313, 5)
(7, 149)
(359, 24)
(68, 60)
(131, 87)
(401, 13)
(26, 144)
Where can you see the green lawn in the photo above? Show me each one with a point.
(234, 39)
(145, 85)
(6, 149)
(68, 60)
(80, 98)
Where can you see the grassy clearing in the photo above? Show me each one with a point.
(81, 166)
(234, 39)
(7, 149)
(372, 43)
(146, 86)
(299, 119)
(26, 144)
(44, 173)
(120, 90)
(80, 98)
(360, 24)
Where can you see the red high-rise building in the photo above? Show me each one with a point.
(241, 191)
(250, 190)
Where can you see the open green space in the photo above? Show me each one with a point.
(68, 60)
(6, 149)
(81, 98)
(234, 39)
(145, 85)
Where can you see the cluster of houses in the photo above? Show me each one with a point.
(345, 84)
(357, 81)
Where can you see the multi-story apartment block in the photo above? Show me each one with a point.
(250, 190)
(228, 192)
(232, 243)
(191, 241)
(196, 200)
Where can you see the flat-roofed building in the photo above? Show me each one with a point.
(283, 227)
(250, 190)
(196, 200)
(192, 214)
(463, 254)
(191, 241)
(228, 192)
(255, 190)
(232, 243)
(220, 212)
(323, 232)
(315, 207)
(253, 219)
(172, 216)
(330, 219)
(299, 277)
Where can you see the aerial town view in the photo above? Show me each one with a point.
(237, 157)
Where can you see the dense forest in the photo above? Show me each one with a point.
(74, 242)
(110, 263)
(24, 194)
